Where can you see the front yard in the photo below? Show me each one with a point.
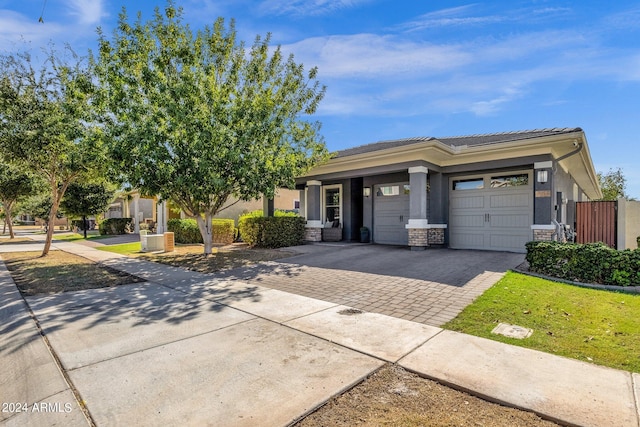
(596, 326)
(192, 258)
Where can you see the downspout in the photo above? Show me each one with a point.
(580, 145)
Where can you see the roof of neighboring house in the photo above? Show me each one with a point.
(458, 141)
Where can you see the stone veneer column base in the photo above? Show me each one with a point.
(543, 232)
(423, 237)
(313, 234)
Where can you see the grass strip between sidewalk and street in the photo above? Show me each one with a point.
(602, 327)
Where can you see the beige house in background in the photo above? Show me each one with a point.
(151, 212)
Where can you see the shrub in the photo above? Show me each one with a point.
(115, 225)
(224, 231)
(588, 263)
(272, 232)
(187, 231)
(259, 214)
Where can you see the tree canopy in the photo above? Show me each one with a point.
(15, 185)
(197, 117)
(84, 199)
(46, 124)
(613, 184)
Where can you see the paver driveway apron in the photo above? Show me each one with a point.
(429, 287)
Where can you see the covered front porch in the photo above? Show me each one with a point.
(395, 203)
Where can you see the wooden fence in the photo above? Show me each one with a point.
(596, 222)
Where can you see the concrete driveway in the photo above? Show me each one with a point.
(429, 287)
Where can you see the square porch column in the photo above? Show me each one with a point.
(418, 223)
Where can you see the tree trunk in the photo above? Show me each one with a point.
(206, 230)
(57, 197)
(8, 220)
(84, 225)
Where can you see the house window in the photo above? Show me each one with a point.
(515, 180)
(332, 203)
(388, 190)
(468, 184)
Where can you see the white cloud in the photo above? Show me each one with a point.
(382, 75)
(306, 7)
(627, 20)
(370, 55)
(448, 18)
(16, 29)
(89, 12)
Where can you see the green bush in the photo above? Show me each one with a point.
(187, 231)
(224, 231)
(259, 214)
(588, 263)
(115, 225)
(272, 232)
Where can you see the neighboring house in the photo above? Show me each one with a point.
(286, 200)
(124, 207)
(150, 211)
(493, 192)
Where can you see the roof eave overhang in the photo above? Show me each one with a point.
(579, 165)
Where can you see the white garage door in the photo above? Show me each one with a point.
(493, 212)
(391, 213)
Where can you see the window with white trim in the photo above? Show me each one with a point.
(332, 203)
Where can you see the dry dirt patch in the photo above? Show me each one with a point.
(61, 272)
(227, 257)
(393, 396)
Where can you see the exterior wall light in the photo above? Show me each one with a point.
(543, 177)
(366, 191)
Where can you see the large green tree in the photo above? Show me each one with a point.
(195, 117)
(86, 198)
(15, 185)
(46, 123)
(613, 184)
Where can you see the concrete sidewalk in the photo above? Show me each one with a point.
(188, 348)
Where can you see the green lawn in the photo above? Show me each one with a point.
(123, 248)
(69, 237)
(596, 326)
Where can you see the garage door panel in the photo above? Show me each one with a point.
(390, 215)
(462, 221)
(470, 202)
(509, 220)
(509, 242)
(492, 217)
(509, 201)
(467, 240)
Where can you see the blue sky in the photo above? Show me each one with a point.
(397, 69)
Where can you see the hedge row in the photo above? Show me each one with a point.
(115, 225)
(272, 232)
(588, 263)
(187, 231)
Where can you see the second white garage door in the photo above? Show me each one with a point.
(493, 211)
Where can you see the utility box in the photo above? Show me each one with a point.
(169, 242)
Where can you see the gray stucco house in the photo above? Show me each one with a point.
(492, 192)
